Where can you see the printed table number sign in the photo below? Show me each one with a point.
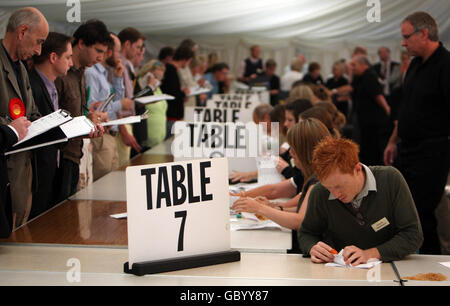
(177, 210)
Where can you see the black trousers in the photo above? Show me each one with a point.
(425, 166)
(67, 178)
(373, 141)
(44, 181)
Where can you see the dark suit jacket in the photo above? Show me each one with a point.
(7, 139)
(18, 164)
(45, 157)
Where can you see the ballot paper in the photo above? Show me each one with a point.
(78, 126)
(250, 221)
(126, 120)
(254, 225)
(154, 98)
(45, 124)
(340, 262)
(119, 216)
(259, 88)
(195, 91)
(446, 264)
(236, 189)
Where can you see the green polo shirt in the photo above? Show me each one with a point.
(390, 220)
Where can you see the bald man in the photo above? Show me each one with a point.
(26, 31)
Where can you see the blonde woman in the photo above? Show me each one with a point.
(303, 91)
(302, 138)
(156, 121)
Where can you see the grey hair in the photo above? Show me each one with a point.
(261, 110)
(363, 60)
(296, 64)
(23, 16)
(421, 21)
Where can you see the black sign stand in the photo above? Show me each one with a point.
(181, 263)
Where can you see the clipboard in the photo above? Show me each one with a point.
(45, 124)
(76, 127)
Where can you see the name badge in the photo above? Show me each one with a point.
(380, 224)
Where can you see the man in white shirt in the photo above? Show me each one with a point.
(292, 76)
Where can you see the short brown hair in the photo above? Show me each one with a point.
(334, 153)
(303, 138)
(313, 66)
(55, 42)
(338, 118)
(130, 34)
(271, 63)
(321, 114)
(421, 21)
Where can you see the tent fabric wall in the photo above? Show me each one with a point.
(323, 31)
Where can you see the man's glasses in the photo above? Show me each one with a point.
(407, 36)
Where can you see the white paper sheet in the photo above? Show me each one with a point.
(254, 225)
(45, 124)
(446, 264)
(126, 120)
(194, 91)
(119, 216)
(154, 98)
(340, 262)
(78, 126)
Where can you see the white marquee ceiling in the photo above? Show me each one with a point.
(324, 30)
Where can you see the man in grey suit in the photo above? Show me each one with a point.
(26, 31)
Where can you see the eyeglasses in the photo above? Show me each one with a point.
(407, 36)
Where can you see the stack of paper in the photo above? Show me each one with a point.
(268, 224)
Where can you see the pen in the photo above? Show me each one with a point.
(107, 101)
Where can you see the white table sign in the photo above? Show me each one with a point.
(242, 101)
(224, 108)
(263, 94)
(177, 209)
(237, 142)
(215, 114)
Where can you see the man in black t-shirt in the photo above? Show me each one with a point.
(336, 81)
(372, 112)
(423, 128)
(313, 76)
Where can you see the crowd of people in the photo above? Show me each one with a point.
(386, 114)
(338, 132)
